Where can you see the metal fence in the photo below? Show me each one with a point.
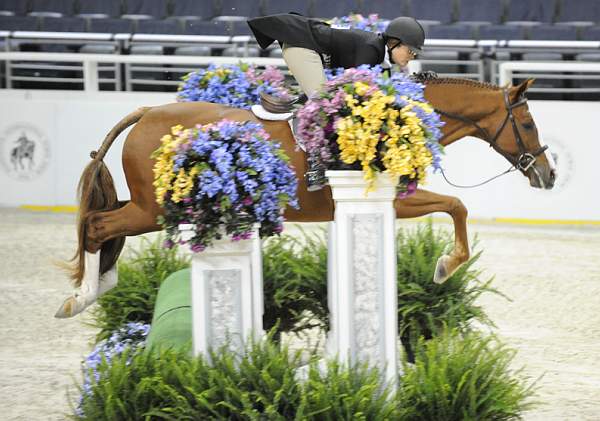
(124, 70)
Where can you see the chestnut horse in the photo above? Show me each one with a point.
(497, 115)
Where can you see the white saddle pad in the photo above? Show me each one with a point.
(263, 114)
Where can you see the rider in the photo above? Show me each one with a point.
(309, 45)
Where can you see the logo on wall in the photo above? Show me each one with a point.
(24, 151)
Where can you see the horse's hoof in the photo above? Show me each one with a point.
(441, 274)
(71, 307)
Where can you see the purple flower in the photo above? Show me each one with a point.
(197, 248)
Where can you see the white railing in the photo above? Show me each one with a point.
(551, 70)
(90, 66)
(90, 62)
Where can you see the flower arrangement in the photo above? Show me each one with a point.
(132, 336)
(223, 175)
(370, 23)
(370, 121)
(234, 85)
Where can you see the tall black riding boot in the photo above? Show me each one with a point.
(315, 175)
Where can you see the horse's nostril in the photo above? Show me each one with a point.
(553, 175)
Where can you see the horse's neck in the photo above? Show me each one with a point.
(472, 101)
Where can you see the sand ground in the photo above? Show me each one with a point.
(552, 276)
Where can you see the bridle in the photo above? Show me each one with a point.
(524, 161)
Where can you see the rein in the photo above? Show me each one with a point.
(523, 162)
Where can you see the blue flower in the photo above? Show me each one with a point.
(131, 336)
(210, 183)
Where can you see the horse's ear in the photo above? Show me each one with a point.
(519, 90)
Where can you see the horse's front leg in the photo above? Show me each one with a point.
(423, 203)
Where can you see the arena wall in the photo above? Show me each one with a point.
(64, 126)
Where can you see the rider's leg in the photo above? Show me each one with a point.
(306, 67)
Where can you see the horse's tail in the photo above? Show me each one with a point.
(96, 192)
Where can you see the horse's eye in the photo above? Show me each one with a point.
(528, 125)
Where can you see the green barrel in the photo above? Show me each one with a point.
(172, 321)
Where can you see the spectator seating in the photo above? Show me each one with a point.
(99, 9)
(200, 27)
(153, 26)
(236, 10)
(330, 9)
(240, 28)
(64, 24)
(145, 9)
(553, 32)
(110, 25)
(18, 23)
(579, 12)
(240, 51)
(480, 12)
(51, 8)
(431, 12)
(106, 25)
(386, 9)
(273, 7)
(192, 9)
(502, 32)
(591, 33)
(454, 31)
(13, 7)
(530, 12)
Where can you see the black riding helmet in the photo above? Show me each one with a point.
(408, 31)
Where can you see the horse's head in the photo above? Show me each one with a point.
(501, 117)
(517, 138)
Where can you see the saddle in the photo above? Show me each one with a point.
(278, 105)
(272, 108)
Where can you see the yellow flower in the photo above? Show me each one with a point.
(404, 150)
(361, 88)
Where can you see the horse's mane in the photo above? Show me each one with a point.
(430, 78)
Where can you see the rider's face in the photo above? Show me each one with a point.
(401, 55)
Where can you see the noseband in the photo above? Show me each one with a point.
(526, 159)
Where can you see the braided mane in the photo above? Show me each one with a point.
(428, 78)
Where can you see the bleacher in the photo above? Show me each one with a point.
(465, 38)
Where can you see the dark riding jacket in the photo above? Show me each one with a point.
(338, 47)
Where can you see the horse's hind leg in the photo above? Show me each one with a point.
(424, 202)
(102, 228)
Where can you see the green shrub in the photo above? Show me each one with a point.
(295, 283)
(425, 307)
(463, 377)
(456, 377)
(260, 385)
(346, 393)
(295, 286)
(140, 276)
